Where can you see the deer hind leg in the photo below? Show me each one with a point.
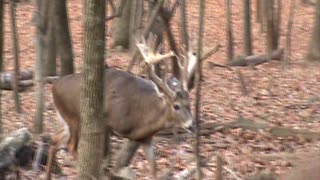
(126, 154)
(148, 149)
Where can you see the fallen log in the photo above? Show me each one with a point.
(245, 124)
(16, 149)
(25, 81)
(7, 78)
(257, 59)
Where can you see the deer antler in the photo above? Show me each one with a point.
(152, 58)
(187, 64)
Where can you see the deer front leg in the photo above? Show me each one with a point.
(148, 149)
(126, 154)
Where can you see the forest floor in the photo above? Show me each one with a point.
(277, 96)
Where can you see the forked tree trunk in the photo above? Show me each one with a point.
(42, 8)
(247, 27)
(63, 38)
(51, 53)
(16, 56)
(314, 46)
(230, 50)
(92, 133)
(198, 77)
(121, 28)
(1, 57)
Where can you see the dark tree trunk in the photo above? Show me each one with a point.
(247, 27)
(1, 56)
(92, 133)
(63, 36)
(314, 46)
(16, 56)
(230, 50)
(121, 28)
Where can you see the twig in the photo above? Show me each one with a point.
(210, 52)
(232, 173)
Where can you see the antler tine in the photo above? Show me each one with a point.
(151, 58)
(161, 84)
(189, 64)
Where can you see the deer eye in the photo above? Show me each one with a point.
(194, 53)
(176, 107)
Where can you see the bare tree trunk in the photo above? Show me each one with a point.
(184, 24)
(63, 38)
(16, 56)
(314, 46)
(247, 27)
(51, 53)
(258, 11)
(121, 28)
(198, 77)
(136, 21)
(1, 57)
(41, 11)
(230, 38)
(92, 133)
(287, 54)
(270, 26)
(263, 15)
(277, 24)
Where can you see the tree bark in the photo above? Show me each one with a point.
(314, 46)
(121, 28)
(184, 24)
(258, 11)
(63, 37)
(270, 26)
(136, 21)
(230, 50)
(16, 56)
(51, 50)
(198, 77)
(287, 54)
(42, 8)
(247, 27)
(92, 133)
(1, 57)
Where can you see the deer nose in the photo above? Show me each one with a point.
(191, 127)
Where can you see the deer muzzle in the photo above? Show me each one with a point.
(190, 125)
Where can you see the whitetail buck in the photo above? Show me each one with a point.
(135, 108)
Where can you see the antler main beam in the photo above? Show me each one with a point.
(151, 57)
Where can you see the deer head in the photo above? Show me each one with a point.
(176, 90)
